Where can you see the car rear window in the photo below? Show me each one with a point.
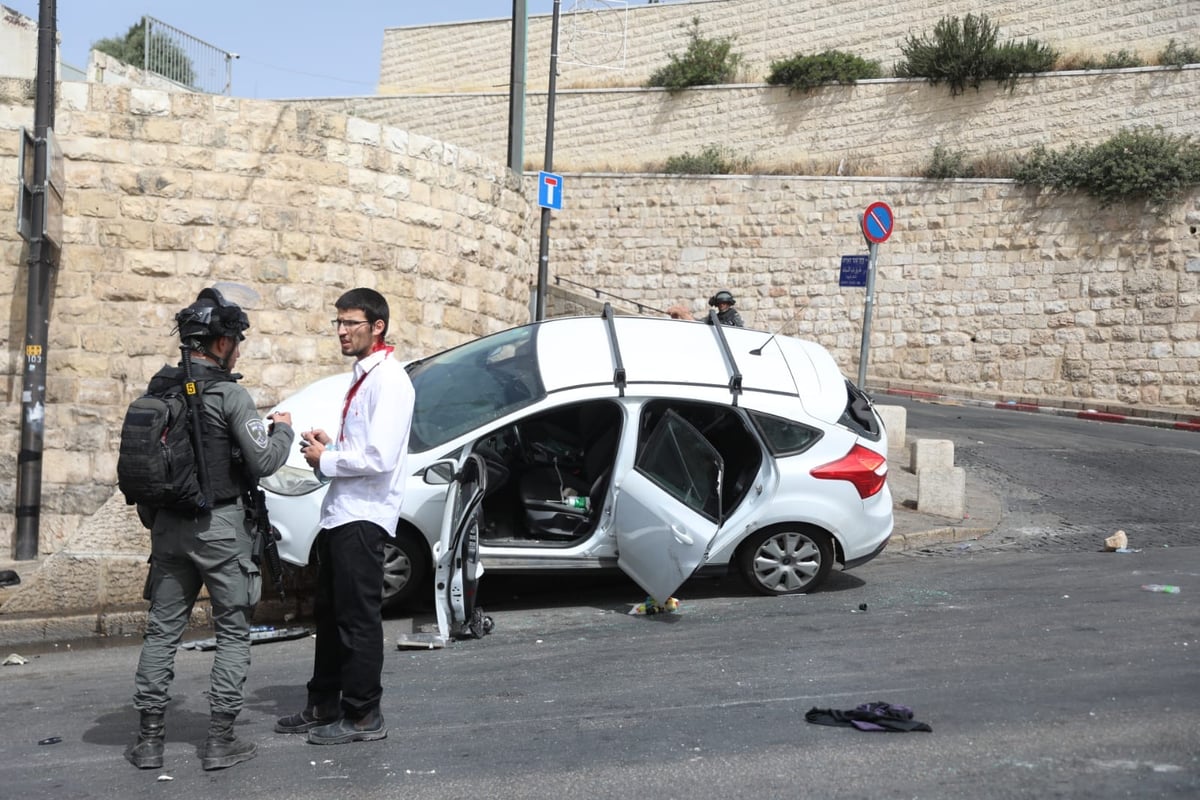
(784, 437)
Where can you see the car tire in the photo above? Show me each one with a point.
(786, 559)
(405, 569)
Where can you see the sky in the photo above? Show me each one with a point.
(286, 48)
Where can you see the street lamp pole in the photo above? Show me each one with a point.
(42, 261)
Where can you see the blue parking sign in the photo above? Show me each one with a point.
(550, 190)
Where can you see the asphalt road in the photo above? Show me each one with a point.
(1067, 483)
(1042, 666)
(1042, 675)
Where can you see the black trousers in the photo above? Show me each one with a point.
(349, 653)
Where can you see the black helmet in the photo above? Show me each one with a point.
(210, 316)
(721, 297)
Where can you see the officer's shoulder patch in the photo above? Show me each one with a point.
(257, 429)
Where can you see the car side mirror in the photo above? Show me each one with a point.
(439, 474)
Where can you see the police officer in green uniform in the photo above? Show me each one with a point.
(210, 548)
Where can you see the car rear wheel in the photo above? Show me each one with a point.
(786, 560)
(405, 569)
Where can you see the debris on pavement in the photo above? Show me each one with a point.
(1162, 588)
(652, 606)
(50, 740)
(420, 641)
(9, 577)
(876, 716)
(258, 634)
(14, 660)
(165, 777)
(1117, 541)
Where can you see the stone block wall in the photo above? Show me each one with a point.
(473, 56)
(985, 288)
(879, 127)
(170, 192)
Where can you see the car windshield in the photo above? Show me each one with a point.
(461, 389)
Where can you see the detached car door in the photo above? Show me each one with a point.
(667, 509)
(457, 569)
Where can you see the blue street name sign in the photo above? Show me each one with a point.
(550, 190)
(854, 271)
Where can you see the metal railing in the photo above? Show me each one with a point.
(183, 59)
(641, 307)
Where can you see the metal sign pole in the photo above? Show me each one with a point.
(868, 306)
(543, 278)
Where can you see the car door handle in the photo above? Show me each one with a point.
(682, 536)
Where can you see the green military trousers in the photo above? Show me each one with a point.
(213, 550)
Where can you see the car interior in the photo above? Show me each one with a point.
(548, 474)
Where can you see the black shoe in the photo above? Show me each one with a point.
(306, 720)
(367, 729)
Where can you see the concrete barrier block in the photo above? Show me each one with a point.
(930, 453)
(942, 491)
(895, 422)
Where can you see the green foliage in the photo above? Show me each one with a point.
(1121, 59)
(1138, 164)
(804, 73)
(1012, 59)
(963, 52)
(1176, 55)
(130, 49)
(946, 163)
(712, 160)
(706, 62)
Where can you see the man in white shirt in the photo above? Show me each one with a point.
(365, 465)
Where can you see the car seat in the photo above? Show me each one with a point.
(545, 489)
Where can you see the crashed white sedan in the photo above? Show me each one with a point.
(656, 446)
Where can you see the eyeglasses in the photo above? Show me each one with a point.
(348, 324)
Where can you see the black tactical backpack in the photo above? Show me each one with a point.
(156, 466)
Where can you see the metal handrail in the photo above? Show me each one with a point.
(598, 292)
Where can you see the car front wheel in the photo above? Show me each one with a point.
(786, 560)
(405, 568)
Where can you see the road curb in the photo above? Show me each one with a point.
(1173, 422)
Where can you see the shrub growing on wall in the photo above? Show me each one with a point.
(1176, 55)
(1138, 164)
(712, 160)
(963, 52)
(804, 73)
(706, 62)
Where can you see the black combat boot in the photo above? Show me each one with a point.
(317, 712)
(147, 751)
(222, 748)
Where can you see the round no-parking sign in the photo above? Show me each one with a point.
(877, 223)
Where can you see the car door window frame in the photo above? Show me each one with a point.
(672, 456)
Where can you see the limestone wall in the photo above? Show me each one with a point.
(985, 289)
(473, 56)
(170, 192)
(880, 127)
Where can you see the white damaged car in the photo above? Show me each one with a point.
(655, 446)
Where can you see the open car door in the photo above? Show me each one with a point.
(668, 507)
(457, 569)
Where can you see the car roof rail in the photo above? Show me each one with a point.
(735, 374)
(609, 317)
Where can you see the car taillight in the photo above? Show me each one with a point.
(866, 469)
